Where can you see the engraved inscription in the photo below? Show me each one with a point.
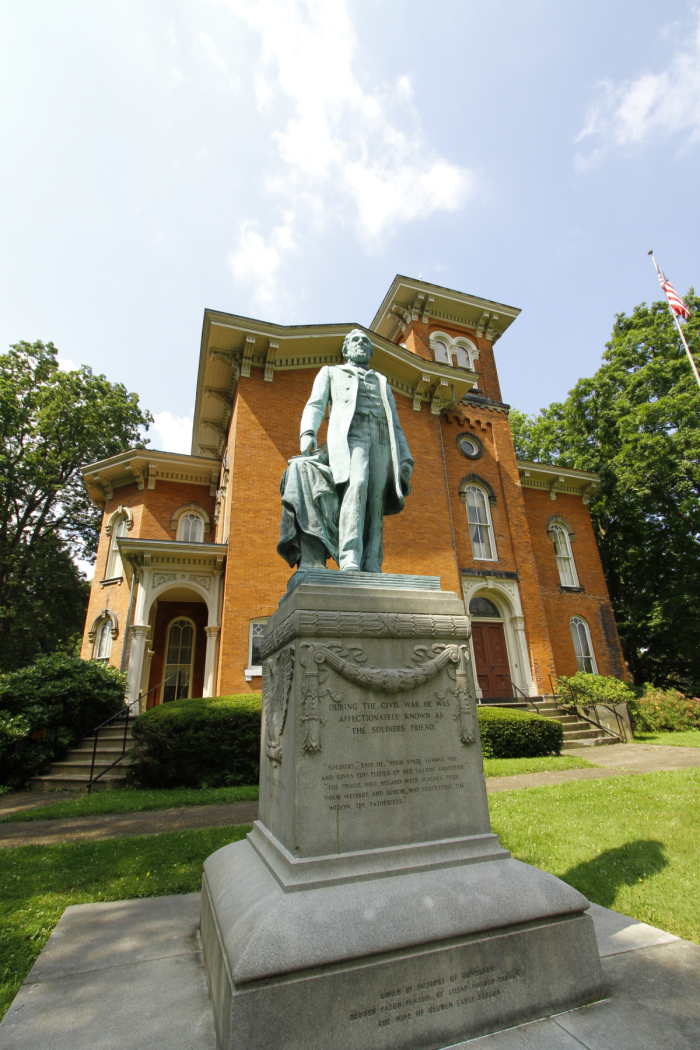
(367, 785)
(437, 994)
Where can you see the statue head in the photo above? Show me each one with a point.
(357, 347)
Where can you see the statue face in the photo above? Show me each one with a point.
(357, 348)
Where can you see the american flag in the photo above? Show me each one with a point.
(674, 300)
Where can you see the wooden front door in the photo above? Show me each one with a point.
(491, 658)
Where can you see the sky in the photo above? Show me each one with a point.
(284, 159)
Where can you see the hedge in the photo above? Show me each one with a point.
(212, 742)
(49, 707)
(215, 742)
(508, 733)
(664, 710)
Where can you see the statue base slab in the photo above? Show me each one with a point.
(383, 580)
(372, 907)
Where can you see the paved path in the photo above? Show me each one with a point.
(641, 758)
(614, 760)
(116, 825)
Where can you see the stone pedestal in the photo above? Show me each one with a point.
(371, 906)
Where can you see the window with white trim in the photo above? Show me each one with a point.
(103, 641)
(114, 561)
(441, 351)
(480, 525)
(583, 647)
(446, 349)
(255, 640)
(191, 528)
(179, 660)
(564, 555)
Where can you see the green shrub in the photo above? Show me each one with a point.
(664, 709)
(507, 733)
(49, 707)
(587, 689)
(214, 742)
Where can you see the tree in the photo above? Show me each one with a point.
(51, 424)
(636, 422)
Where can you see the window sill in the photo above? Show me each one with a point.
(113, 579)
(252, 672)
(572, 590)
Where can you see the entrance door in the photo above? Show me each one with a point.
(178, 665)
(491, 659)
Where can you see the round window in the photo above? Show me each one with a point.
(469, 445)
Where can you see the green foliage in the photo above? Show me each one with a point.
(586, 689)
(664, 709)
(49, 707)
(680, 738)
(211, 742)
(37, 883)
(636, 422)
(507, 733)
(51, 424)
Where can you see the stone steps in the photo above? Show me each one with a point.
(577, 733)
(72, 773)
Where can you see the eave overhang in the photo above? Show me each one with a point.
(409, 300)
(143, 553)
(232, 345)
(566, 480)
(146, 467)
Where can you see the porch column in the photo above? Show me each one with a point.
(139, 637)
(527, 684)
(211, 660)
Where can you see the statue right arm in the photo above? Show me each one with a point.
(313, 414)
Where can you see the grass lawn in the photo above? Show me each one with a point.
(509, 767)
(684, 738)
(38, 882)
(133, 800)
(629, 843)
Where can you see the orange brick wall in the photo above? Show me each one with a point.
(594, 604)
(152, 510)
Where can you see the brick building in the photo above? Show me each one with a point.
(187, 570)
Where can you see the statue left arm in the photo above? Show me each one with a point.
(404, 455)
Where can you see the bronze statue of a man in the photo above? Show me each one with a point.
(334, 503)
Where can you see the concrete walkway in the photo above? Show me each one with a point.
(641, 758)
(118, 825)
(126, 975)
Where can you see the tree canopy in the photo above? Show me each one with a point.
(636, 422)
(52, 423)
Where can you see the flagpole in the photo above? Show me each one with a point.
(680, 330)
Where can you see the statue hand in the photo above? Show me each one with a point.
(307, 443)
(406, 471)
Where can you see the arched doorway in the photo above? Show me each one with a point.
(179, 660)
(490, 651)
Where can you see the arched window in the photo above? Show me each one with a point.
(447, 350)
(483, 609)
(179, 660)
(114, 561)
(441, 351)
(191, 528)
(103, 640)
(583, 647)
(480, 527)
(563, 553)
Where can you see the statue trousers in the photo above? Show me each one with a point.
(360, 526)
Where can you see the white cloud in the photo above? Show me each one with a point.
(66, 365)
(172, 433)
(652, 104)
(344, 156)
(256, 262)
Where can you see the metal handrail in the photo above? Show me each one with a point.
(572, 702)
(126, 710)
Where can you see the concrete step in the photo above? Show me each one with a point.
(599, 741)
(583, 734)
(65, 782)
(103, 754)
(82, 768)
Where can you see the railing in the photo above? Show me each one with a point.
(576, 704)
(125, 713)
